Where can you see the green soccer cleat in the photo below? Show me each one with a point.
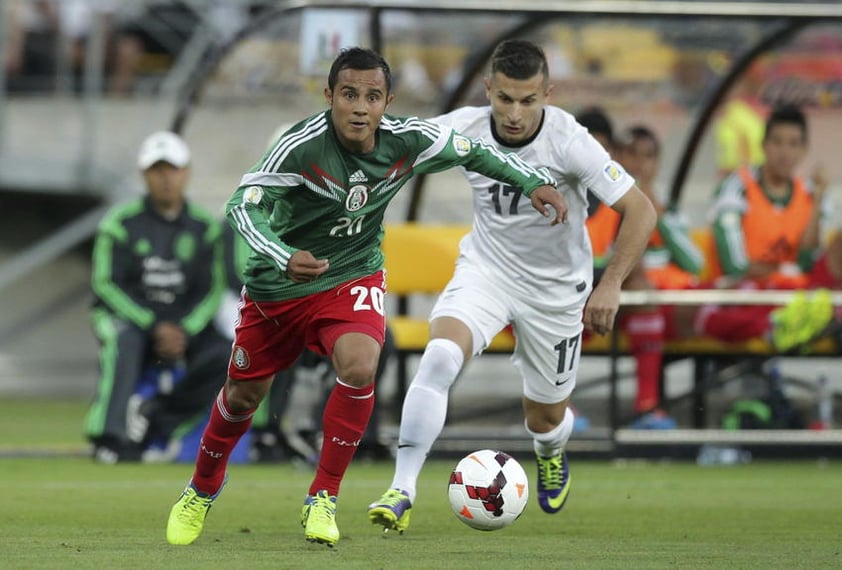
(802, 320)
(318, 517)
(553, 482)
(187, 517)
(818, 316)
(787, 323)
(391, 511)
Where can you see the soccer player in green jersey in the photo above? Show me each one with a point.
(312, 210)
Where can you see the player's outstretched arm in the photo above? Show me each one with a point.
(638, 222)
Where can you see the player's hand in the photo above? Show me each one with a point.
(303, 267)
(601, 309)
(545, 196)
(170, 340)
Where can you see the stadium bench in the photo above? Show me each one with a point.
(420, 259)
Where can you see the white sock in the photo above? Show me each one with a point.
(552, 442)
(424, 410)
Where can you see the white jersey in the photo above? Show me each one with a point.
(514, 243)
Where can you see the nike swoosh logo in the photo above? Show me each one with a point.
(558, 502)
(560, 382)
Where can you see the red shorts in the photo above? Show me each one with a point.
(821, 277)
(270, 336)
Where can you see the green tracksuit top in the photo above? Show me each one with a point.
(148, 269)
(310, 193)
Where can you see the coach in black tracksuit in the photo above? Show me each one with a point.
(157, 278)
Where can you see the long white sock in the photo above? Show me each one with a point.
(424, 410)
(553, 442)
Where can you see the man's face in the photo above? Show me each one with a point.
(166, 183)
(640, 158)
(784, 148)
(358, 102)
(517, 105)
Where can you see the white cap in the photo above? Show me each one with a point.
(163, 146)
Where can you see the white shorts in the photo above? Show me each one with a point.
(548, 342)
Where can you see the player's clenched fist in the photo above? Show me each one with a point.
(303, 267)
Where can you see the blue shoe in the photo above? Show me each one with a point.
(391, 511)
(553, 482)
(656, 419)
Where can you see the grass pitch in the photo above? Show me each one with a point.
(67, 512)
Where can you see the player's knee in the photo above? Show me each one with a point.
(543, 418)
(440, 365)
(244, 396)
(357, 372)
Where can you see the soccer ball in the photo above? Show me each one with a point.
(488, 490)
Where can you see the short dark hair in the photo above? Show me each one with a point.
(596, 120)
(786, 115)
(640, 132)
(358, 58)
(519, 59)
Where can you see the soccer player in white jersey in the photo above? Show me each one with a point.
(515, 270)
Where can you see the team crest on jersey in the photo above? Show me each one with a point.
(357, 198)
(461, 145)
(240, 358)
(612, 171)
(253, 195)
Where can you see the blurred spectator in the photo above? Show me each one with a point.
(150, 42)
(739, 128)
(157, 279)
(32, 45)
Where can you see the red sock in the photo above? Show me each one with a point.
(646, 339)
(346, 415)
(735, 323)
(222, 433)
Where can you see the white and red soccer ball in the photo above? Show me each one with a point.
(488, 489)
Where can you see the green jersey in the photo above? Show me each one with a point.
(310, 193)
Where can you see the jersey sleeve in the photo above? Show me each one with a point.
(727, 210)
(588, 162)
(111, 266)
(448, 149)
(675, 232)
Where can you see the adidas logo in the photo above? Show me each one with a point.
(358, 176)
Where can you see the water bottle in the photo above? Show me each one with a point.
(824, 404)
(722, 455)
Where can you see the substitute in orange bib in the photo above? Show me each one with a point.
(767, 223)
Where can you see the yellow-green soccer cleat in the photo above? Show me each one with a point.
(802, 320)
(318, 517)
(818, 316)
(788, 322)
(187, 517)
(553, 482)
(391, 511)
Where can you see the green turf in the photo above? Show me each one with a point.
(71, 513)
(67, 512)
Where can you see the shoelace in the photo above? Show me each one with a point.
(549, 471)
(393, 498)
(193, 509)
(322, 508)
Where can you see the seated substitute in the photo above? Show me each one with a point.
(671, 261)
(157, 279)
(767, 223)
